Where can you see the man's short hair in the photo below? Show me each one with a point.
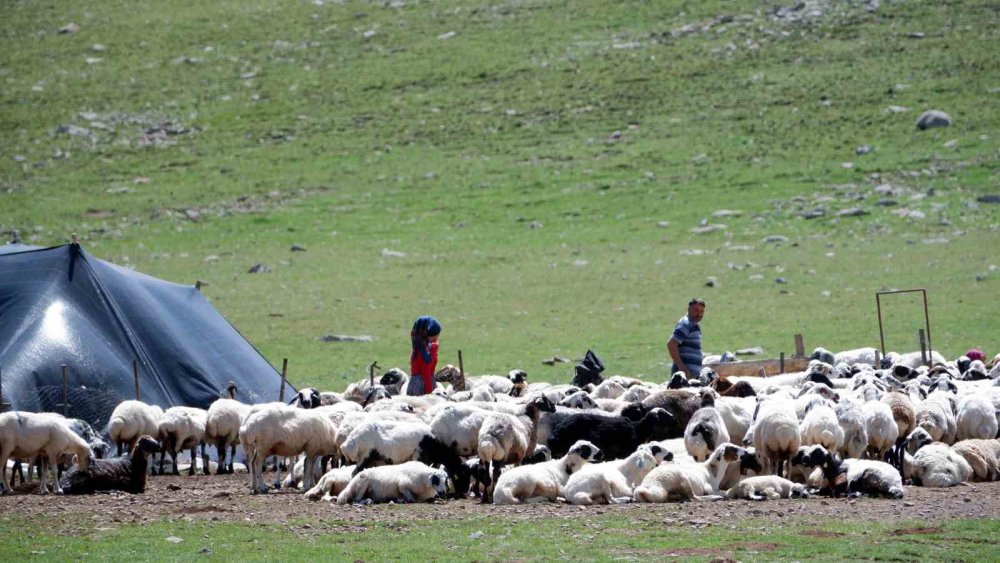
(696, 301)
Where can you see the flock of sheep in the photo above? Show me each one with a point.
(843, 426)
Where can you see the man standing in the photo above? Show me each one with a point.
(685, 342)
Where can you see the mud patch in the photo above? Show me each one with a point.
(916, 531)
(822, 534)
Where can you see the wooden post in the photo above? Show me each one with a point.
(800, 347)
(923, 347)
(135, 376)
(284, 375)
(781, 362)
(65, 403)
(461, 366)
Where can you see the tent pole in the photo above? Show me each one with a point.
(3, 406)
(284, 374)
(135, 376)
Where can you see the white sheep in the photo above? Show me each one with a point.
(458, 426)
(222, 429)
(851, 418)
(936, 415)
(408, 482)
(543, 481)
(375, 442)
(130, 420)
(976, 418)
(821, 426)
(612, 482)
(766, 487)
(704, 432)
(637, 393)
(352, 420)
(608, 389)
(182, 428)
(510, 438)
(673, 482)
(775, 434)
(579, 400)
(331, 484)
(983, 456)
(882, 429)
(937, 465)
(26, 435)
(737, 413)
(287, 432)
(871, 477)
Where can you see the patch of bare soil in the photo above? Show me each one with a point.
(227, 498)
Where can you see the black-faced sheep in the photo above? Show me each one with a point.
(543, 481)
(853, 477)
(612, 482)
(674, 482)
(123, 474)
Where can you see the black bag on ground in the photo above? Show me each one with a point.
(589, 370)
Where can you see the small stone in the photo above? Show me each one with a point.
(863, 149)
(204, 551)
(259, 269)
(298, 248)
(775, 238)
(98, 48)
(345, 338)
(951, 144)
(174, 539)
(446, 36)
(780, 280)
(915, 35)
(476, 535)
(386, 253)
(909, 504)
(20, 158)
(710, 282)
(852, 212)
(174, 487)
(661, 224)
(933, 118)
(69, 28)
(990, 198)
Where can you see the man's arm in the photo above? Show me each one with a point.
(675, 355)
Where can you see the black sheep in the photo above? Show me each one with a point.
(616, 436)
(123, 474)
(435, 452)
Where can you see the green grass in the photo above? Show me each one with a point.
(604, 537)
(298, 129)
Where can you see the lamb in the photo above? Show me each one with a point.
(543, 481)
(25, 435)
(976, 418)
(882, 429)
(983, 456)
(222, 429)
(766, 487)
(123, 474)
(331, 484)
(182, 428)
(750, 464)
(704, 432)
(854, 477)
(506, 438)
(283, 431)
(937, 465)
(615, 436)
(821, 426)
(775, 434)
(851, 418)
(688, 481)
(412, 481)
(612, 482)
(130, 420)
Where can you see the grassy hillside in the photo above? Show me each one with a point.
(543, 176)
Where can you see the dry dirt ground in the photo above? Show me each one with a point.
(227, 498)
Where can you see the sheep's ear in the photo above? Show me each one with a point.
(731, 453)
(436, 480)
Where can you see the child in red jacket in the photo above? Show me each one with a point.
(424, 356)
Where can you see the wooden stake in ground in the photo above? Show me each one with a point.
(284, 375)
(65, 403)
(135, 376)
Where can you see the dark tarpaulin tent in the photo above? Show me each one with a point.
(61, 305)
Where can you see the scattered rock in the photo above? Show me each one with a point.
(74, 131)
(204, 551)
(580, 263)
(852, 212)
(346, 338)
(780, 280)
(174, 539)
(727, 213)
(663, 224)
(98, 48)
(754, 351)
(951, 144)
(989, 198)
(69, 28)
(19, 158)
(700, 159)
(174, 487)
(933, 118)
(863, 149)
(298, 248)
(897, 109)
(711, 281)
(775, 238)
(259, 269)
(535, 225)
(386, 253)
(704, 229)
(814, 213)
(886, 202)
(446, 36)
(915, 35)
(92, 60)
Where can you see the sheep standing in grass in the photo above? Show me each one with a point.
(182, 428)
(130, 420)
(543, 481)
(882, 429)
(678, 482)
(123, 474)
(766, 487)
(25, 435)
(409, 482)
(612, 482)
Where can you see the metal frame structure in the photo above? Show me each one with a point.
(927, 321)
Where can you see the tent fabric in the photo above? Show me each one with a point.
(60, 305)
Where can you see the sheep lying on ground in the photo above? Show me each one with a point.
(766, 487)
(130, 420)
(408, 482)
(123, 474)
(612, 482)
(543, 481)
(936, 465)
(331, 484)
(853, 477)
(688, 481)
(25, 435)
(983, 456)
(509, 438)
